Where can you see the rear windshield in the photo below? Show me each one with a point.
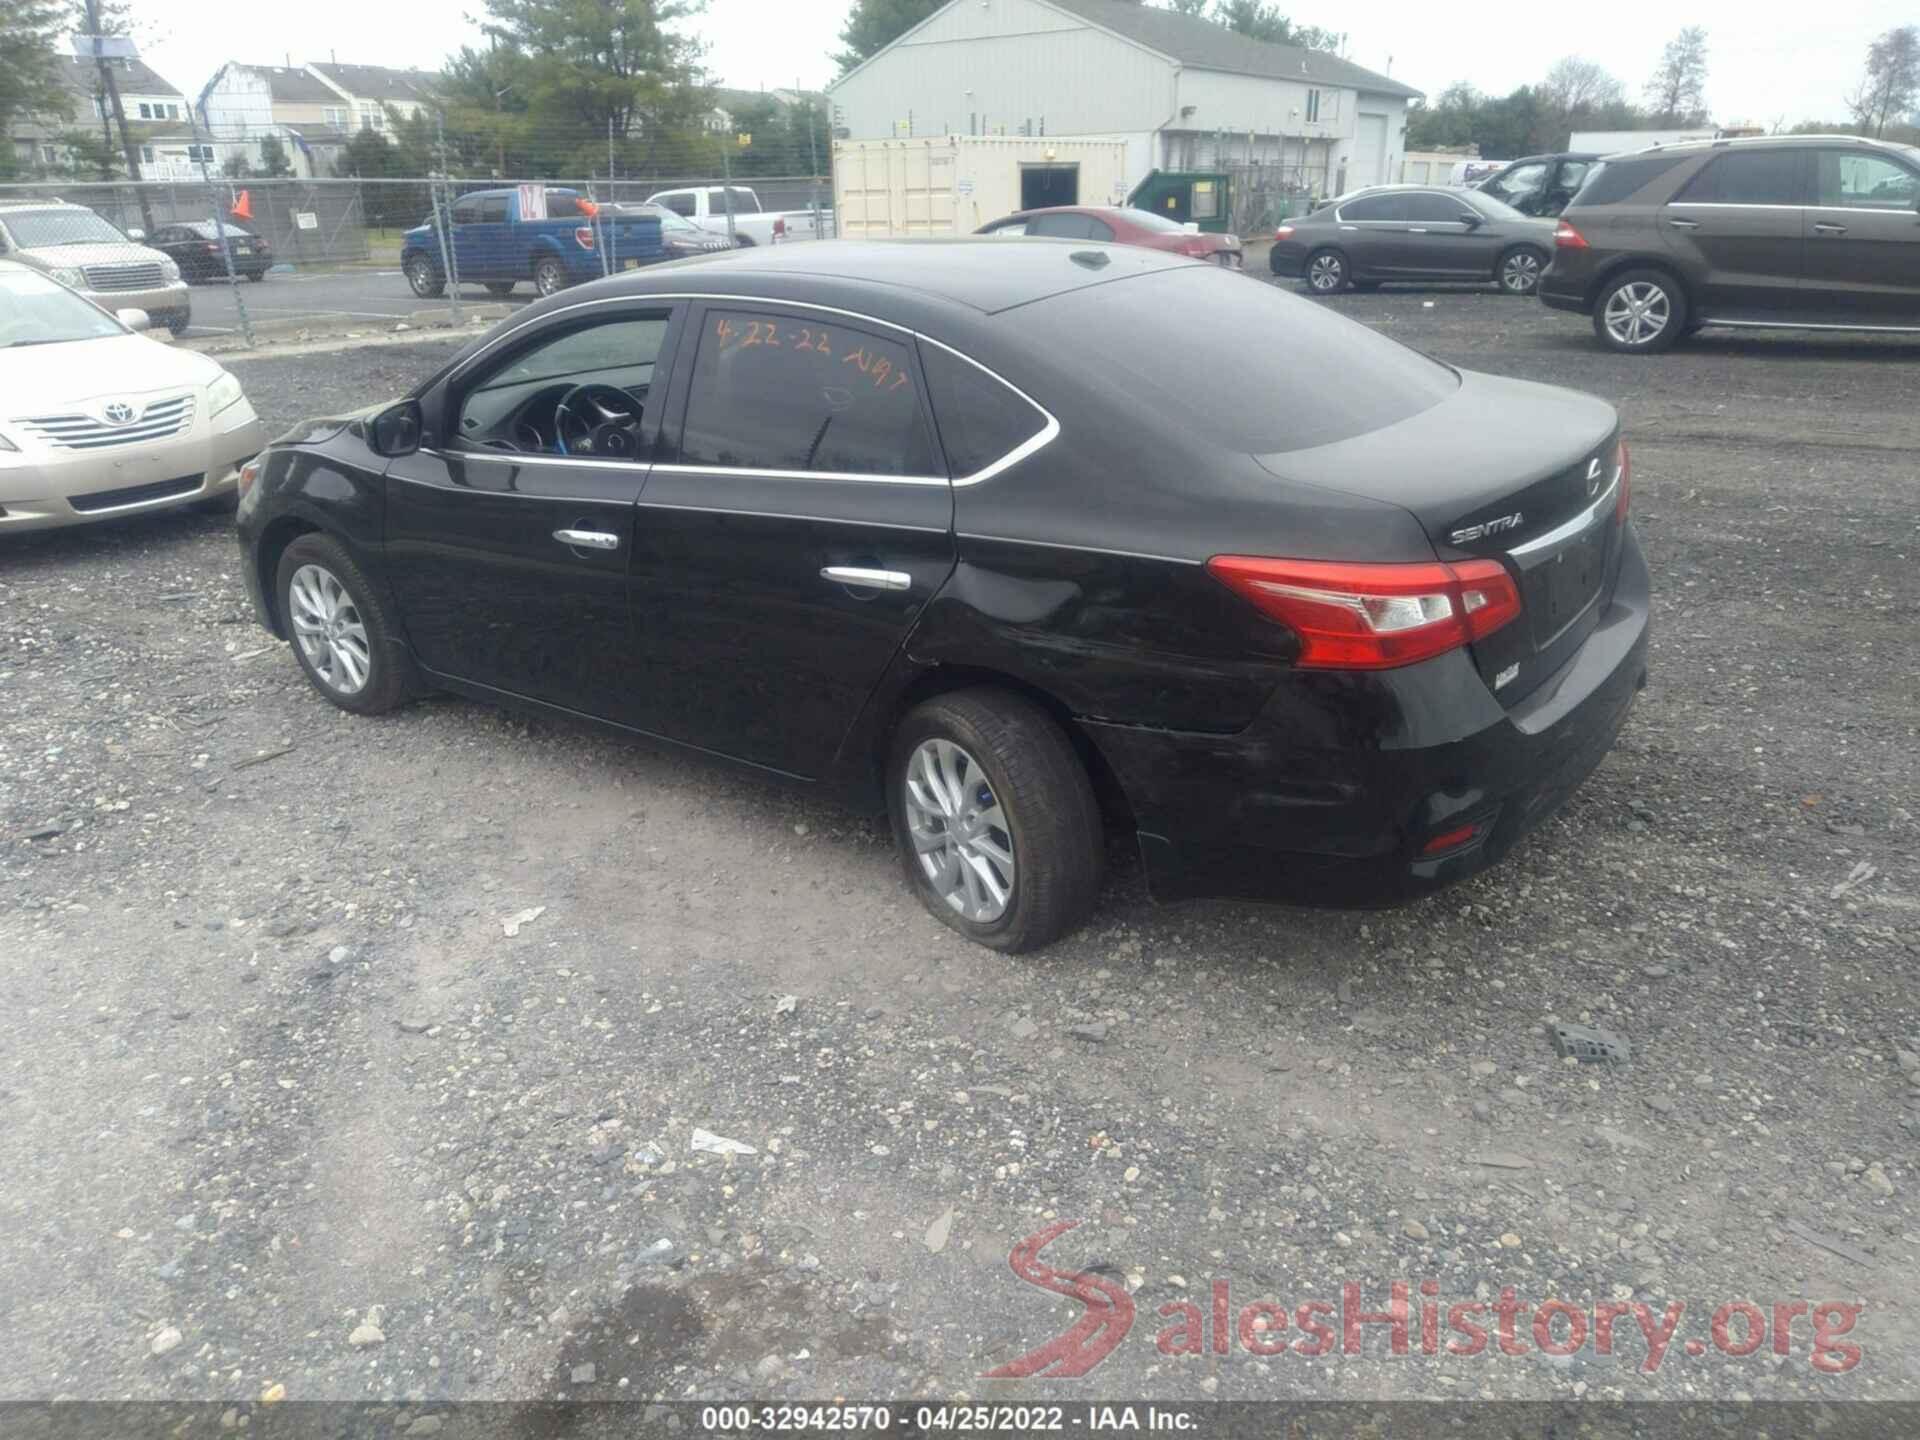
(1245, 366)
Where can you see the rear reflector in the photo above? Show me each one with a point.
(1285, 232)
(1374, 617)
(1449, 840)
(1567, 238)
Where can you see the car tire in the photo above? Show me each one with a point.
(361, 642)
(549, 276)
(500, 287)
(256, 276)
(1325, 272)
(1518, 270)
(1661, 312)
(425, 279)
(177, 322)
(1011, 886)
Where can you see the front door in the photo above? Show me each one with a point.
(509, 534)
(482, 239)
(1863, 240)
(1738, 224)
(1440, 242)
(800, 520)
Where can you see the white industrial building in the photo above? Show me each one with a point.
(1183, 93)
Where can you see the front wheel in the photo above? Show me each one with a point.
(256, 276)
(1519, 270)
(427, 282)
(177, 322)
(549, 276)
(342, 636)
(1640, 313)
(996, 821)
(1327, 272)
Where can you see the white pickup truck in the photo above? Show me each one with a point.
(707, 206)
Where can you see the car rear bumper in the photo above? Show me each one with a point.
(1565, 286)
(1332, 797)
(53, 488)
(1286, 259)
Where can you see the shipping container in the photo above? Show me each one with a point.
(954, 184)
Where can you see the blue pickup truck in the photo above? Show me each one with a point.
(543, 234)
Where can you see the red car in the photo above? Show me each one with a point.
(1122, 227)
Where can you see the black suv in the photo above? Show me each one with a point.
(1806, 232)
(1540, 185)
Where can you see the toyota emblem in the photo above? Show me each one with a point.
(118, 413)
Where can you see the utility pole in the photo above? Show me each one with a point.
(726, 175)
(119, 115)
(443, 221)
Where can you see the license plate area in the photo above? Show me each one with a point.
(1560, 588)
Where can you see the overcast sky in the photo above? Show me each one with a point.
(1793, 63)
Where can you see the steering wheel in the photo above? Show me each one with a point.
(597, 420)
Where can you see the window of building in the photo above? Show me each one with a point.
(1313, 106)
(336, 115)
(774, 392)
(1206, 200)
(372, 118)
(200, 154)
(146, 154)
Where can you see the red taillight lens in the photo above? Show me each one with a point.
(1626, 485)
(1565, 237)
(779, 227)
(1285, 232)
(1374, 617)
(1449, 840)
(583, 237)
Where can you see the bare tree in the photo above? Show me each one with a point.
(1678, 89)
(1573, 84)
(1891, 82)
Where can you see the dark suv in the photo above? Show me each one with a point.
(1804, 231)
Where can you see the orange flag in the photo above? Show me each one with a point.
(243, 207)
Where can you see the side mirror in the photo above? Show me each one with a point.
(137, 236)
(1192, 227)
(396, 430)
(134, 319)
(1471, 219)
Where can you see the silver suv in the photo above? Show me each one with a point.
(86, 253)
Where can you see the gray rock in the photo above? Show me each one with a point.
(415, 1025)
(1660, 1104)
(1483, 1112)
(1095, 1032)
(1414, 1230)
(339, 955)
(168, 1339)
(1023, 1029)
(584, 1374)
(366, 1334)
(770, 1367)
(426, 1425)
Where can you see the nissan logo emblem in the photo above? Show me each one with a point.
(1593, 475)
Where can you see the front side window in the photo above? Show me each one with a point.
(493, 210)
(980, 418)
(465, 212)
(517, 404)
(679, 204)
(1435, 210)
(774, 392)
(1011, 230)
(1747, 177)
(1060, 227)
(1865, 182)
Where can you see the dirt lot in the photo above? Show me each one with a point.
(283, 1104)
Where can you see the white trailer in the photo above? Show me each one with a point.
(954, 184)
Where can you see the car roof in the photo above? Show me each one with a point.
(892, 278)
(1761, 142)
(1063, 210)
(1550, 155)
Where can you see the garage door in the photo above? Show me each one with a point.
(1369, 152)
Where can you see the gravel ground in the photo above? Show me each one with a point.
(284, 1106)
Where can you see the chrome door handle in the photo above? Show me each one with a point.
(1416, 229)
(1825, 227)
(588, 539)
(867, 579)
(1685, 224)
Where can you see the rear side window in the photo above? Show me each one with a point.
(1375, 207)
(1063, 227)
(1611, 181)
(1748, 177)
(980, 418)
(773, 392)
(1246, 367)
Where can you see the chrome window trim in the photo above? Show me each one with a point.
(646, 504)
(1026, 448)
(1864, 209)
(1731, 205)
(1569, 529)
(522, 457)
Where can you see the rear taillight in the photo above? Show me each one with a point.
(1285, 232)
(1374, 617)
(779, 228)
(212, 249)
(583, 237)
(1565, 237)
(1626, 485)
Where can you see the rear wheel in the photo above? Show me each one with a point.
(341, 632)
(1519, 270)
(549, 276)
(427, 281)
(998, 828)
(1641, 312)
(1326, 272)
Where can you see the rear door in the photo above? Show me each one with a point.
(799, 521)
(1863, 239)
(1737, 226)
(1373, 232)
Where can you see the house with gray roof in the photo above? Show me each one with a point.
(148, 100)
(1182, 92)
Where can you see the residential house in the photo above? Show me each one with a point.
(147, 100)
(243, 104)
(370, 91)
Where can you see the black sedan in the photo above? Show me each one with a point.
(1010, 537)
(195, 248)
(1410, 232)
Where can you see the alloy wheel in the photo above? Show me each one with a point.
(547, 279)
(1637, 313)
(1326, 273)
(960, 834)
(420, 277)
(1521, 272)
(331, 634)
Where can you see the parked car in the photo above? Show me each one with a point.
(195, 248)
(679, 238)
(708, 207)
(1793, 231)
(1539, 185)
(87, 253)
(1313, 615)
(496, 242)
(1123, 226)
(98, 421)
(1413, 232)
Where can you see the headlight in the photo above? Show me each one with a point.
(169, 270)
(223, 392)
(71, 278)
